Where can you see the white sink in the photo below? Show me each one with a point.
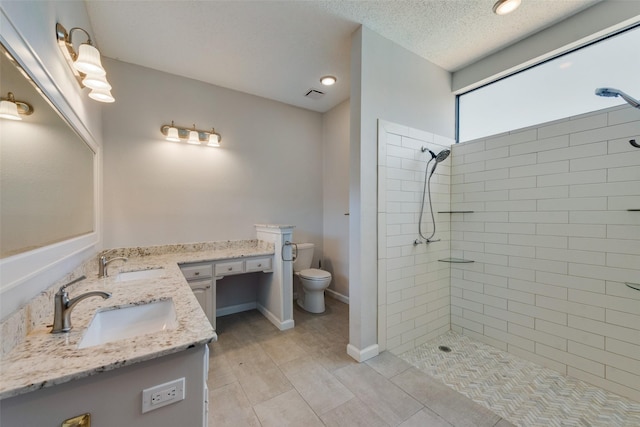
(113, 324)
(140, 274)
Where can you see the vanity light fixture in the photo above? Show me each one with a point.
(191, 135)
(328, 80)
(85, 64)
(503, 7)
(11, 109)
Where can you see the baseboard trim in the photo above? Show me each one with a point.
(364, 354)
(223, 311)
(336, 295)
(283, 326)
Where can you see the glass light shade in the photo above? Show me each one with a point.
(503, 7)
(172, 135)
(101, 95)
(88, 60)
(9, 110)
(95, 81)
(214, 140)
(193, 137)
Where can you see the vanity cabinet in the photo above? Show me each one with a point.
(202, 279)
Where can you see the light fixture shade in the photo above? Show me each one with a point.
(9, 110)
(503, 7)
(172, 134)
(101, 95)
(194, 138)
(95, 81)
(88, 60)
(214, 140)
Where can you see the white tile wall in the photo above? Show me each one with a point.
(413, 286)
(552, 200)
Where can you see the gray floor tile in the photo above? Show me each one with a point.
(447, 403)
(282, 349)
(287, 409)
(504, 423)
(386, 399)
(388, 364)
(353, 413)
(321, 390)
(229, 407)
(425, 418)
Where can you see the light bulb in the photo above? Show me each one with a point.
(95, 81)
(328, 80)
(214, 140)
(194, 138)
(172, 134)
(101, 95)
(503, 7)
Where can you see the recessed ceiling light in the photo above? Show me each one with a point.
(328, 80)
(503, 7)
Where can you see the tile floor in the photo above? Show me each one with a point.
(520, 391)
(259, 376)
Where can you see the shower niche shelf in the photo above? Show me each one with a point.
(456, 260)
(452, 212)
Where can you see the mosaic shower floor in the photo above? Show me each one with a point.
(520, 391)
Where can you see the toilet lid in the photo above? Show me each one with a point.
(315, 274)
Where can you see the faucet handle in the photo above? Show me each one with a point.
(63, 290)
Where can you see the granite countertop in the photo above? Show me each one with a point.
(43, 359)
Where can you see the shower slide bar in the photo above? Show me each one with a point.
(635, 286)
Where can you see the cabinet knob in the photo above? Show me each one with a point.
(230, 269)
(208, 287)
(259, 265)
(197, 273)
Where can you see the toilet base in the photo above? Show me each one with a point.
(313, 302)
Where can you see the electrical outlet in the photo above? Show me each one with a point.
(163, 394)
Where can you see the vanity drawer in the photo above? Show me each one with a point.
(258, 264)
(226, 268)
(197, 272)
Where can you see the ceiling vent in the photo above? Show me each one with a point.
(314, 94)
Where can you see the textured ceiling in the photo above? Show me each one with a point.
(280, 49)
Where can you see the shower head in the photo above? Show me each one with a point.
(440, 157)
(611, 92)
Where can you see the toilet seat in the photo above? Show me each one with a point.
(315, 274)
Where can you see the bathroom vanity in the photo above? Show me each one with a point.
(60, 377)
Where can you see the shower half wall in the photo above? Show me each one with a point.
(413, 287)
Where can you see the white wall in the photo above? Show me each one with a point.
(578, 30)
(390, 83)
(413, 285)
(268, 170)
(335, 191)
(553, 244)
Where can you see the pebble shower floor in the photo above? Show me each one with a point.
(520, 391)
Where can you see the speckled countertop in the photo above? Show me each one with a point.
(43, 359)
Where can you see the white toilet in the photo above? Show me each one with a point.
(313, 280)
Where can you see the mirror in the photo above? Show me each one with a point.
(46, 171)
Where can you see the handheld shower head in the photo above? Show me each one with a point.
(611, 92)
(440, 157)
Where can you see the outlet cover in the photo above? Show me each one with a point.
(162, 395)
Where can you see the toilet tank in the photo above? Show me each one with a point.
(304, 258)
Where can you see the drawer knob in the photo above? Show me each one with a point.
(230, 269)
(259, 265)
(197, 273)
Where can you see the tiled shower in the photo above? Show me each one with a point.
(551, 226)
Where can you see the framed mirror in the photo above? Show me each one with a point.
(46, 171)
(49, 175)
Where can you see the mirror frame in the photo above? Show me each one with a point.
(26, 274)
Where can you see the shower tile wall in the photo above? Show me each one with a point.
(413, 287)
(553, 243)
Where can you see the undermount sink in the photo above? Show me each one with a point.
(113, 324)
(140, 274)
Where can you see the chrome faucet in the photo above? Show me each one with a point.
(103, 262)
(63, 306)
